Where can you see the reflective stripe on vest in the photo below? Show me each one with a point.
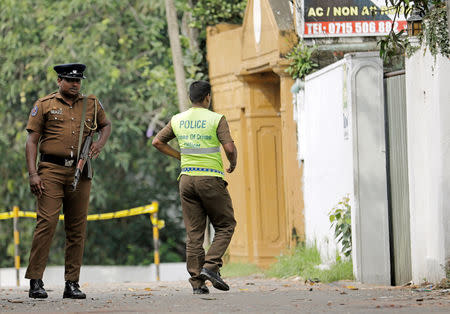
(208, 150)
(189, 169)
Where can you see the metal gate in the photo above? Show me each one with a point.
(397, 170)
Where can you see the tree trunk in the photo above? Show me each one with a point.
(177, 56)
(189, 32)
(448, 18)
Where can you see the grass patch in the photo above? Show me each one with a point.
(302, 261)
(239, 270)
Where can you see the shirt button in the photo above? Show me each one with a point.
(73, 132)
(70, 107)
(73, 119)
(71, 146)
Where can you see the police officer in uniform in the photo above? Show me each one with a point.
(54, 126)
(203, 192)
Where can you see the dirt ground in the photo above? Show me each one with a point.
(249, 295)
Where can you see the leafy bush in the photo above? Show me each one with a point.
(303, 262)
(301, 60)
(341, 221)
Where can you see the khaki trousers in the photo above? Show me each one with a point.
(203, 196)
(58, 194)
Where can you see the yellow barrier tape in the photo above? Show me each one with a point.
(147, 209)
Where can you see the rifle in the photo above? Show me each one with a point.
(84, 156)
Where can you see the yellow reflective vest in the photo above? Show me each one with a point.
(196, 131)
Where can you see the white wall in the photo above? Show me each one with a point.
(327, 153)
(343, 146)
(428, 122)
(54, 275)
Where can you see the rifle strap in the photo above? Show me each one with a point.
(83, 118)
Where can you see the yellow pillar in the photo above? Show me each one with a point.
(16, 244)
(293, 169)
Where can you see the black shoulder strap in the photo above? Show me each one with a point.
(83, 117)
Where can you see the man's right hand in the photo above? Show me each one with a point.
(36, 185)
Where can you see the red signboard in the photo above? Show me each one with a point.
(350, 18)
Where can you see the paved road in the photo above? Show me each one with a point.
(249, 295)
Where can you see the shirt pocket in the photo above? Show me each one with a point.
(55, 121)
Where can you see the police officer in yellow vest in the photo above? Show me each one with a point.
(203, 191)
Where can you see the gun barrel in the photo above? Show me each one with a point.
(76, 179)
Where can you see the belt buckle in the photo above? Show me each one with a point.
(68, 162)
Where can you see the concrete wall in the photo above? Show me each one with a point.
(327, 153)
(344, 154)
(428, 114)
(54, 275)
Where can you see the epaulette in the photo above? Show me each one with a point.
(52, 95)
(91, 97)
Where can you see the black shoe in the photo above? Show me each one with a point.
(72, 291)
(202, 290)
(37, 289)
(215, 279)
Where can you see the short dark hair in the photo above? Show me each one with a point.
(199, 90)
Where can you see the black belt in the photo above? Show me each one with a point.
(66, 162)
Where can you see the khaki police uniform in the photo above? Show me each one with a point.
(203, 196)
(58, 123)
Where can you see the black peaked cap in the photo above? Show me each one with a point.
(70, 70)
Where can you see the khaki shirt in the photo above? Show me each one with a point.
(223, 132)
(58, 123)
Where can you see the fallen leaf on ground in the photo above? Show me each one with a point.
(15, 301)
(148, 289)
(351, 287)
(243, 289)
(208, 299)
(131, 289)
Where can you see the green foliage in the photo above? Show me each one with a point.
(303, 262)
(212, 12)
(341, 220)
(393, 44)
(206, 13)
(301, 63)
(435, 29)
(239, 270)
(125, 47)
(296, 262)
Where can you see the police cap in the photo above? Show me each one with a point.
(70, 70)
